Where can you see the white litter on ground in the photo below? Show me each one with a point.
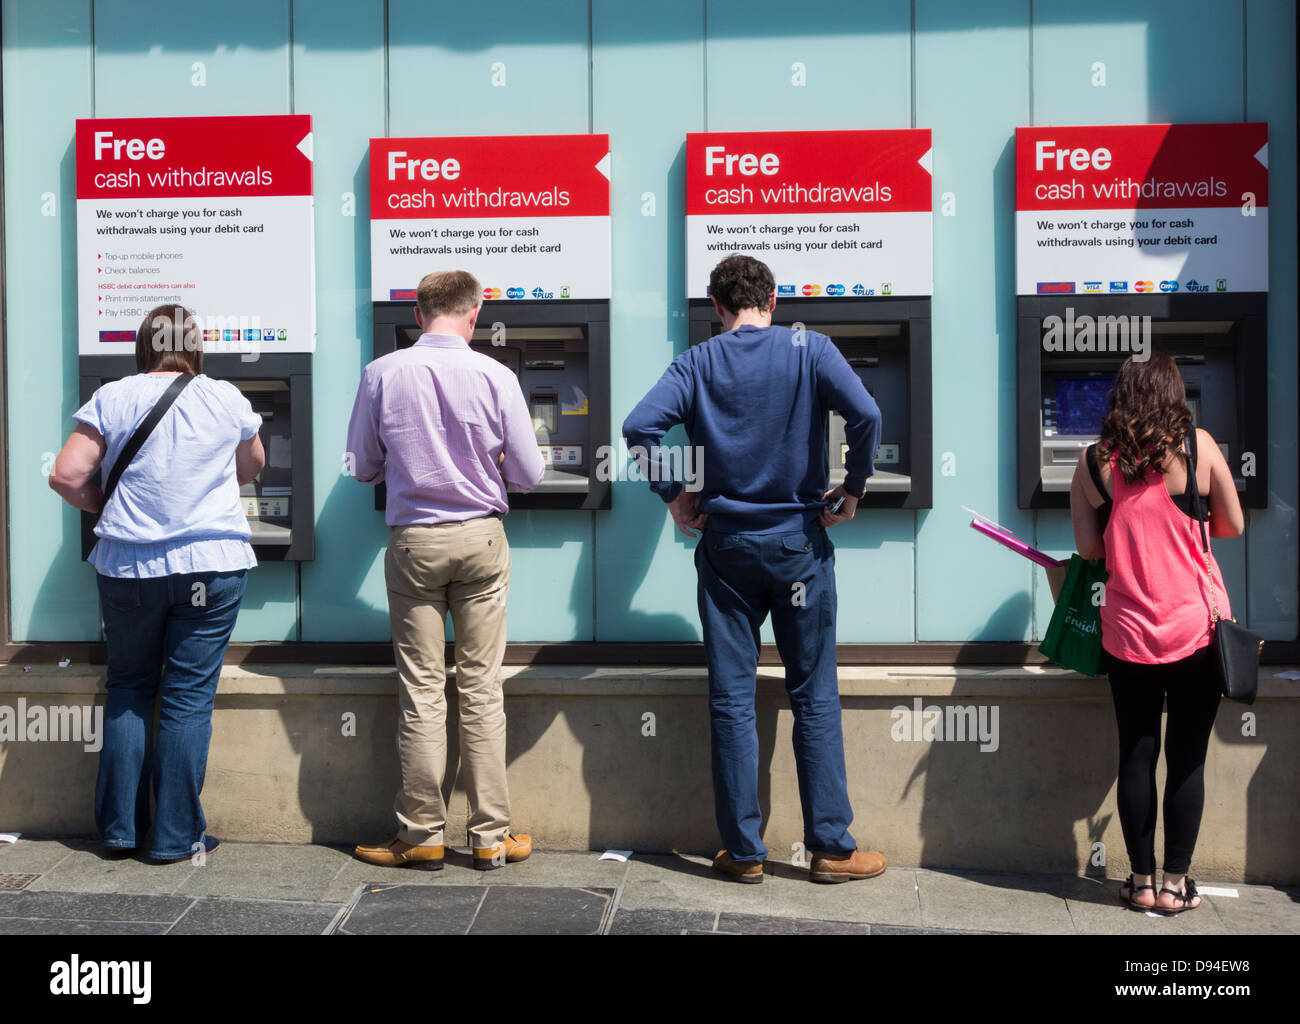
(1210, 890)
(618, 855)
(9, 837)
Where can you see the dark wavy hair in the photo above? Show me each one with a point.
(742, 282)
(1148, 416)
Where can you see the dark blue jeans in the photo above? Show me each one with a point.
(743, 577)
(167, 633)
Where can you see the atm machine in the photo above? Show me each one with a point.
(278, 502)
(559, 350)
(886, 341)
(1219, 342)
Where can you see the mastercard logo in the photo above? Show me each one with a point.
(491, 293)
(812, 289)
(1144, 286)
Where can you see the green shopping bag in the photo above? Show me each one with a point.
(1073, 637)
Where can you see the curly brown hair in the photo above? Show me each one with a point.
(1148, 416)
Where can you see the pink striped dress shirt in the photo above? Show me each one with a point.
(432, 422)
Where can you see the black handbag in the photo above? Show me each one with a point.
(1234, 650)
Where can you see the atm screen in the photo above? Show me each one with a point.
(1081, 404)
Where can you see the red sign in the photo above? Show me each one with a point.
(193, 157)
(808, 172)
(1142, 166)
(489, 176)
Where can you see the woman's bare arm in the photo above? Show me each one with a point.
(1083, 513)
(1226, 517)
(75, 465)
(250, 457)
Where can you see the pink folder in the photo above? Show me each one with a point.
(1009, 540)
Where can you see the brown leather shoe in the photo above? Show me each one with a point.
(397, 854)
(845, 867)
(748, 871)
(514, 849)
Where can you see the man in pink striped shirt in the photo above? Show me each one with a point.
(446, 428)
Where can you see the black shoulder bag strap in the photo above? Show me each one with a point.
(142, 432)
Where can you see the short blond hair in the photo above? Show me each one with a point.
(448, 293)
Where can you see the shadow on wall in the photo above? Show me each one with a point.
(972, 798)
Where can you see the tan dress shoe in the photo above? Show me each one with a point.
(397, 854)
(846, 867)
(748, 871)
(515, 848)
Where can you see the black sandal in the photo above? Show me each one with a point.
(1183, 898)
(1133, 890)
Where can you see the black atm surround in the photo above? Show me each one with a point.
(394, 325)
(294, 369)
(1241, 333)
(912, 316)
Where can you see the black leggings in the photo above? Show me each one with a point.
(1139, 692)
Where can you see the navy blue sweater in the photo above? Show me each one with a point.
(755, 400)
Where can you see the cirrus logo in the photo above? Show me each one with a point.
(835, 289)
(514, 293)
(1169, 286)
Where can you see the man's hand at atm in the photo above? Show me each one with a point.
(685, 514)
(846, 509)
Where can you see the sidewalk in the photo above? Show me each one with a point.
(65, 886)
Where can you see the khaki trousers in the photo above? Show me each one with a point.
(463, 568)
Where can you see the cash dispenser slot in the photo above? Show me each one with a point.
(1217, 341)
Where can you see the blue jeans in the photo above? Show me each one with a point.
(168, 633)
(743, 577)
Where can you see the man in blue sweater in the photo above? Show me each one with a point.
(754, 401)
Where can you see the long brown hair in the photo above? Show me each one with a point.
(169, 339)
(1148, 416)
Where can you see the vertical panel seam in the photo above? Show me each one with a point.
(291, 93)
(93, 110)
(704, 61)
(1031, 64)
(591, 68)
(911, 61)
(387, 90)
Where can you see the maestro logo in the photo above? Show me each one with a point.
(835, 289)
(785, 289)
(1169, 286)
(1092, 286)
(812, 289)
(1196, 286)
(541, 293)
(1119, 286)
(1143, 286)
(491, 293)
(514, 293)
(1055, 287)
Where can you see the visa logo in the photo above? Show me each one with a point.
(785, 289)
(514, 293)
(1092, 286)
(835, 289)
(401, 293)
(1196, 286)
(1055, 287)
(1119, 286)
(117, 335)
(1169, 286)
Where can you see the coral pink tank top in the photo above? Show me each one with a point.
(1157, 604)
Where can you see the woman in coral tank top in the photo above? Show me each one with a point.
(1131, 503)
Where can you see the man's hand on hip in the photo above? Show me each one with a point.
(684, 513)
(829, 518)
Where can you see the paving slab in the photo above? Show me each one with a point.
(542, 910)
(35, 855)
(414, 910)
(993, 902)
(353, 872)
(1257, 909)
(890, 898)
(582, 869)
(88, 906)
(686, 882)
(268, 871)
(662, 922)
(759, 924)
(50, 926)
(89, 870)
(255, 917)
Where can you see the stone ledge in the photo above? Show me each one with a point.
(1024, 681)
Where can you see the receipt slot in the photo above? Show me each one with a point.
(278, 503)
(1071, 346)
(886, 341)
(559, 351)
